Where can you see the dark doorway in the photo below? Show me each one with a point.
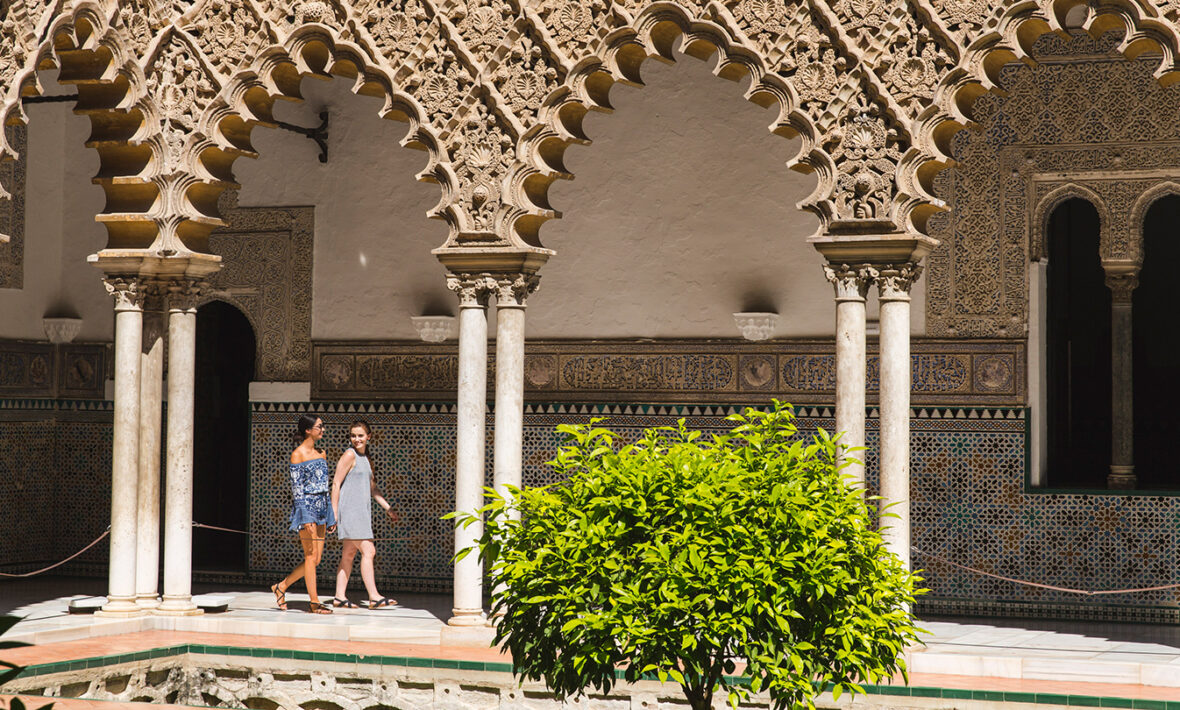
(1078, 358)
(221, 443)
(1156, 342)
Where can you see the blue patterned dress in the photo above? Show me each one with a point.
(309, 493)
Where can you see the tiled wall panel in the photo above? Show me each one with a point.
(969, 504)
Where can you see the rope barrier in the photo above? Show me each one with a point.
(59, 564)
(1069, 590)
(288, 536)
(928, 555)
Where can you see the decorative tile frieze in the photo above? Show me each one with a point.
(36, 369)
(802, 372)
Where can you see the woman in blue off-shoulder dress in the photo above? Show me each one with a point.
(311, 510)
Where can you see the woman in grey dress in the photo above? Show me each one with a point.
(352, 487)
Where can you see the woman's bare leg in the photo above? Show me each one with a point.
(368, 554)
(344, 569)
(312, 538)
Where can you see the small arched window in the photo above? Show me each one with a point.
(1156, 342)
(1078, 350)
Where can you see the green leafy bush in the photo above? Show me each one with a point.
(696, 559)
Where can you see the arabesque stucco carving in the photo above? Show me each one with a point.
(1084, 123)
(494, 91)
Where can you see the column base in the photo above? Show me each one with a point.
(470, 636)
(177, 606)
(147, 601)
(1121, 478)
(467, 617)
(119, 608)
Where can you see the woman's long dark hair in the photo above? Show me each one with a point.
(304, 425)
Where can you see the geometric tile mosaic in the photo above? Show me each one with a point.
(969, 502)
(57, 467)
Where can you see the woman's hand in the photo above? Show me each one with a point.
(331, 529)
(391, 514)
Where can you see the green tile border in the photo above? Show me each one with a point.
(1072, 701)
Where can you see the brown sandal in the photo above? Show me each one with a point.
(280, 597)
(320, 608)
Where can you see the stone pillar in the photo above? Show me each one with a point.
(125, 456)
(151, 364)
(893, 283)
(1122, 283)
(178, 493)
(473, 292)
(509, 430)
(852, 285)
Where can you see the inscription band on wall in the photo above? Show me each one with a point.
(975, 372)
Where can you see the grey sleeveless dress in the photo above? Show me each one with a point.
(356, 503)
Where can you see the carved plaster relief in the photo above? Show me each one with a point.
(1083, 113)
(801, 372)
(267, 258)
(12, 212)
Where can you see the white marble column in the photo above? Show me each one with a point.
(473, 292)
(178, 492)
(1122, 283)
(893, 283)
(125, 455)
(852, 285)
(151, 365)
(509, 430)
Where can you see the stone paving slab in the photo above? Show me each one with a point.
(1033, 651)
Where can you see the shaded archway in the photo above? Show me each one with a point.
(1156, 342)
(1078, 356)
(221, 444)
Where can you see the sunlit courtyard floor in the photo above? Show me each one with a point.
(1087, 661)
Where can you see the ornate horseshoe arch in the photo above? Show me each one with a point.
(248, 98)
(1143, 205)
(618, 59)
(1039, 221)
(93, 51)
(1009, 36)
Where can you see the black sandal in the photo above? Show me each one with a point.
(280, 597)
(379, 603)
(343, 603)
(320, 608)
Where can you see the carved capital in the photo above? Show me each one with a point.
(127, 291)
(895, 280)
(512, 291)
(850, 281)
(1122, 285)
(154, 292)
(473, 290)
(185, 294)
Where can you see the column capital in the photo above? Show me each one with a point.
(514, 289)
(473, 290)
(895, 280)
(850, 281)
(127, 291)
(184, 294)
(154, 293)
(1122, 285)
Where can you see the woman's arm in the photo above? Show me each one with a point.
(343, 466)
(378, 497)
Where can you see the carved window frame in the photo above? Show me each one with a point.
(1121, 195)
